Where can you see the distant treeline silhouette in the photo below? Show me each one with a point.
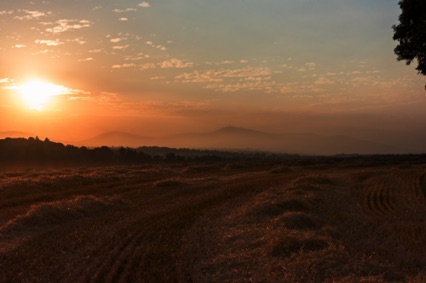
(22, 151)
(34, 150)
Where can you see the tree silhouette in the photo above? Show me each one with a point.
(411, 33)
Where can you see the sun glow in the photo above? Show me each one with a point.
(37, 95)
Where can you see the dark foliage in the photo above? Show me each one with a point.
(411, 33)
(21, 151)
(33, 150)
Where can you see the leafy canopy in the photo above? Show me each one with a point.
(411, 33)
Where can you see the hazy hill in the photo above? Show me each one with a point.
(235, 138)
(116, 139)
(304, 143)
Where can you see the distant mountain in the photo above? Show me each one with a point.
(239, 131)
(13, 134)
(236, 138)
(303, 143)
(116, 139)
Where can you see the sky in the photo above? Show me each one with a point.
(164, 67)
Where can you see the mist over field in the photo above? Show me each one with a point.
(235, 138)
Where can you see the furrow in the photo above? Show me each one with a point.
(381, 198)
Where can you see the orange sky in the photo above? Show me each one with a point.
(167, 67)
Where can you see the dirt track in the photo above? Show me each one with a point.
(213, 223)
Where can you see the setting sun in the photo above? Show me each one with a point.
(37, 94)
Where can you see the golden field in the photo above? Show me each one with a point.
(214, 222)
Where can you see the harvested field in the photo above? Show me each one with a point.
(213, 222)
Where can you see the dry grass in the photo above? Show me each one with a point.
(213, 223)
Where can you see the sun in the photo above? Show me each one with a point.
(38, 94)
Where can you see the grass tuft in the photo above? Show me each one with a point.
(300, 221)
(274, 209)
(288, 245)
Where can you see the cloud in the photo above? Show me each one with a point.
(120, 47)
(258, 79)
(224, 62)
(136, 57)
(197, 77)
(258, 85)
(124, 10)
(144, 5)
(244, 72)
(221, 75)
(20, 46)
(56, 89)
(122, 66)
(68, 25)
(48, 42)
(86, 59)
(30, 15)
(123, 19)
(175, 63)
(311, 65)
(5, 81)
(117, 39)
(6, 12)
(95, 50)
(78, 40)
(150, 43)
(147, 66)
(156, 78)
(44, 51)
(324, 81)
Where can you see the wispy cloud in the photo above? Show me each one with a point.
(324, 81)
(120, 47)
(30, 15)
(65, 25)
(147, 66)
(124, 10)
(265, 86)
(122, 66)
(221, 75)
(78, 40)
(175, 63)
(157, 46)
(56, 90)
(49, 42)
(144, 5)
(198, 77)
(95, 50)
(116, 39)
(5, 81)
(311, 65)
(136, 57)
(6, 12)
(86, 59)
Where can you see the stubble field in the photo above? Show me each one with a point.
(213, 222)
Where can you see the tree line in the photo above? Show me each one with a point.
(37, 151)
(34, 150)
